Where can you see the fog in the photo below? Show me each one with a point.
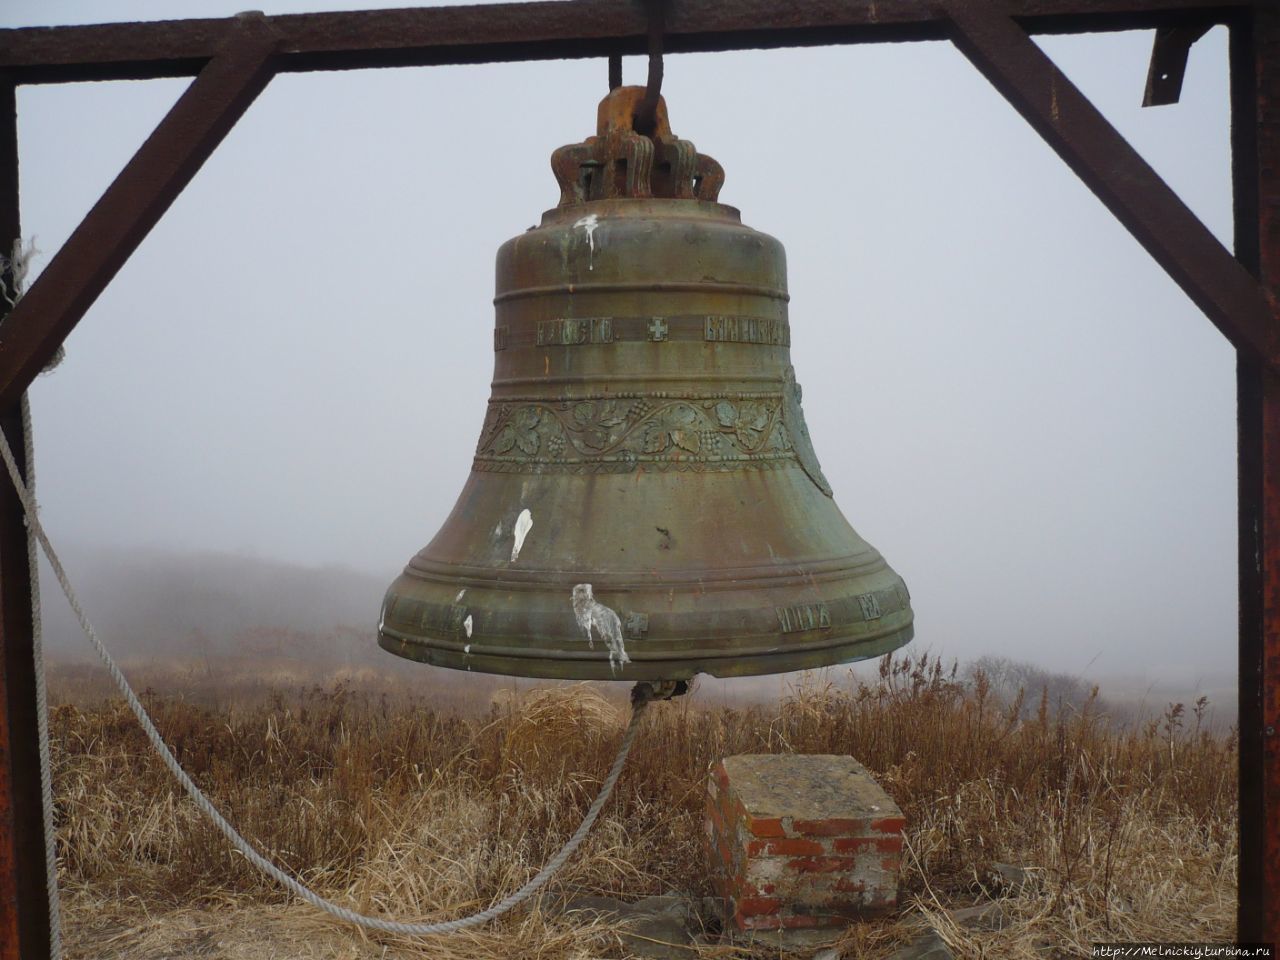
(1010, 399)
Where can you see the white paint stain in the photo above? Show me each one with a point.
(467, 648)
(466, 625)
(524, 523)
(594, 615)
(497, 531)
(589, 223)
(461, 593)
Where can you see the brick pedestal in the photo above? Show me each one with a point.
(801, 842)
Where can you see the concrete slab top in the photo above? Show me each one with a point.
(807, 787)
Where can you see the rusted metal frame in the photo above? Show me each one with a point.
(134, 202)
(545, 30)
(1169, 52)
(1255, 136)
(29, 336)
(24, 905)
(1260, 396)
(1155, 215)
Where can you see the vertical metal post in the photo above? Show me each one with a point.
(24, 905)
(1255, 136)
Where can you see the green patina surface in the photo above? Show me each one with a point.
(645, 500)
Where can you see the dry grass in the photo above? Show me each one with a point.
(391, 803)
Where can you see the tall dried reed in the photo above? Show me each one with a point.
(391, 803)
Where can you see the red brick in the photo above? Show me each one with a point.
(859, 909)
(716, 818)
(732, 863)
(800, 922)
(867, 844)
(889, 825)
(774, 873)
(845, 885)
(715, 821)
(722, 862)
(821, 864)
(734, 814)
(757, 906)
(710, 849)
(730, 807)
(834, 827)
(721, 777)
(785, 847)
(765, 826)
(846, 908)
(725, 805)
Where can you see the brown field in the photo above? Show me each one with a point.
(429, 804)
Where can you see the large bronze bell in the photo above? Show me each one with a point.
(645, 503)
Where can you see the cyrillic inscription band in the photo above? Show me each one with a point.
(807, 616)
(870, 605)
(575, 330)
(748, 330)
(582, 331)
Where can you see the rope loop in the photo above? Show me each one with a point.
(640, 698)
(42, 695)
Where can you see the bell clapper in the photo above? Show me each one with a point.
(647, 690)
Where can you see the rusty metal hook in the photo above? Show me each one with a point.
(646, 114)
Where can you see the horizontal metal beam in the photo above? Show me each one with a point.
(545, 30)
(1156, 216)
(134, 203)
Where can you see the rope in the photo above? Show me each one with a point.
(228, 831)
(42, 700)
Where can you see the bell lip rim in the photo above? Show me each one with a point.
(766, 644)
(600, 667)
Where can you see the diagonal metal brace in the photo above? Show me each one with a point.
(139, 196)
(1168, 66)
(1158, 219)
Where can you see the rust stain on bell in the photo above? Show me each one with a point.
(645, 502)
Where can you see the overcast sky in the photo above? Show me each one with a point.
(1011, 400)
